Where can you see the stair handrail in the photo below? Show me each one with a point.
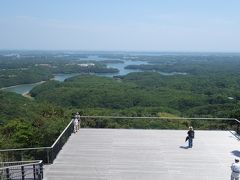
(29, 163)
(31, 169)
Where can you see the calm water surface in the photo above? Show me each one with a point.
(22, 88)
(25, 88)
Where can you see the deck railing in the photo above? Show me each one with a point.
(161, 123)
(48, 154)
(21, 170)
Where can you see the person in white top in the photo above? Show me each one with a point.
(79, 120)
(75, 125)
(235, 170)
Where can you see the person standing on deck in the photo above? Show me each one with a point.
(75, 124)
(79, 120)
(190, 137)
(235, 170)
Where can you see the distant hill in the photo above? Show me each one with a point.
(190, 95)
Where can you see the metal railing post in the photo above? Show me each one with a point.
(23, 173)
(52, 154)
(34, 172)
(7, 174)
(41, 170)
(238, 128)
(37, 172)
(48, 159)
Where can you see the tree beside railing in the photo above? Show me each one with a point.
(46, 154)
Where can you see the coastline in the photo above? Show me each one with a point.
(25, 91)
(27, 95)
(37, 83)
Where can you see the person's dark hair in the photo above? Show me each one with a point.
(236, 160)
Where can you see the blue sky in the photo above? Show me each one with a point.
(126, 25)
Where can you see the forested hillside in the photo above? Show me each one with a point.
(191, 96)
(25, 123)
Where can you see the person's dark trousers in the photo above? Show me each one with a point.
(190, 140)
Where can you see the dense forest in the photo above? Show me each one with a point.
(187, 96)
(209, 87)
(25, 123)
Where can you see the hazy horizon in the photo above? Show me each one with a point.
(128, 26)
(117, 51)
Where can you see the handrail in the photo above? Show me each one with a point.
(19, 165)
(149, 117)
(24, 149)
(30, 170)
(237, 120)
(61, 134)
(21, 161)
(39, 148)
(51, 151)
